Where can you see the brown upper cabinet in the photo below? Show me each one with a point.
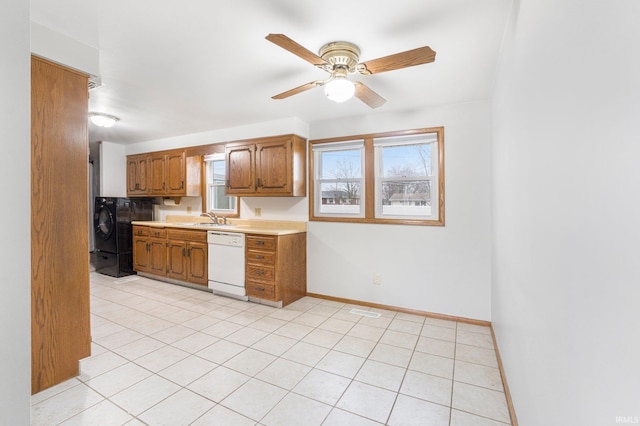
(157, 164)
(137, 175)
(164, 173)
(274, 166)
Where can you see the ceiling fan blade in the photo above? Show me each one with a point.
(368, 96)
(293, 47)
(410, 58)
(297, 90)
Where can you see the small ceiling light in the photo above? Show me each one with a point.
(103, 120)
(339, 89)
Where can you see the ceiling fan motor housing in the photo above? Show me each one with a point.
(341, 54)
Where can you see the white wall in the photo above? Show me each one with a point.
(443, 270)
(64, 50)
(15, 226)
(566, 229)
(269, 128)
(113, 170)
(421, 267)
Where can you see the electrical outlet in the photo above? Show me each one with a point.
(258, 211)
(188, 209)
(377, 279)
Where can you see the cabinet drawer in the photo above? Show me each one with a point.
(187, 235)
(142, 231)
(261, 257)
(261, 242)
(259, 272)
(158, 232)
(261, 290)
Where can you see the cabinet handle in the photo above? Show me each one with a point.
(188, 252)
(147, 247)
(260, 288)
(183, 252)
(182, 185)
(162, 185)
(259, 243)
(259, 271)
(259, 256)
(259, 183)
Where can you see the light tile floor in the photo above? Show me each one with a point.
(168, 355)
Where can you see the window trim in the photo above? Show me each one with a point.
(370, 180)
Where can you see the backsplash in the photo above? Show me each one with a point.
(162, 207)
(271, 208)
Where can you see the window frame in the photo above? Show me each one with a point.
(398, 141)
(234, 213)
(350, 145)
(370, 174)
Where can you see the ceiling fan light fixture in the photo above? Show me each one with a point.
(339, 89)
(103, 120)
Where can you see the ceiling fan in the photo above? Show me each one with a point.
(340, 58)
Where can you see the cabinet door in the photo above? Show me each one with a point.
(158, 256)
(158, 173)
(137, 176)
(132, 176)
(143, 175)
(240, 173)
(273, 167)
(140, 254)
(197, 260)
(175, 173)
(177, 260)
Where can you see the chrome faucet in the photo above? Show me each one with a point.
(211, 216)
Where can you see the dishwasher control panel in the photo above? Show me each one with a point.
(225, 238)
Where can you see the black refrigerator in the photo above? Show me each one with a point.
(112, 229)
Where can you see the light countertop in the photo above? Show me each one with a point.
(265, 227)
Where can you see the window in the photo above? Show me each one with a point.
(404, 177)
(216, 199)
(339, 179)
(395, 177)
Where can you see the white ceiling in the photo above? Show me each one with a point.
(171, 68)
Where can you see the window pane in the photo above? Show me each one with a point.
(340, 197)
(218, 172)
(343, 164)
(215, 198)
(406, 198)
(218, 200)
(406, 161)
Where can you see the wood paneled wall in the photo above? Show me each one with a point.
(60, 323)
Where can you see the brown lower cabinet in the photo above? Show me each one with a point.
(276, 267)
(150, 250)
(173, 253)
(187, 256)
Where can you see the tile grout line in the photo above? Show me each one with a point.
(327, 316)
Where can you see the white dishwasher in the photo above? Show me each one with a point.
(226, 264)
